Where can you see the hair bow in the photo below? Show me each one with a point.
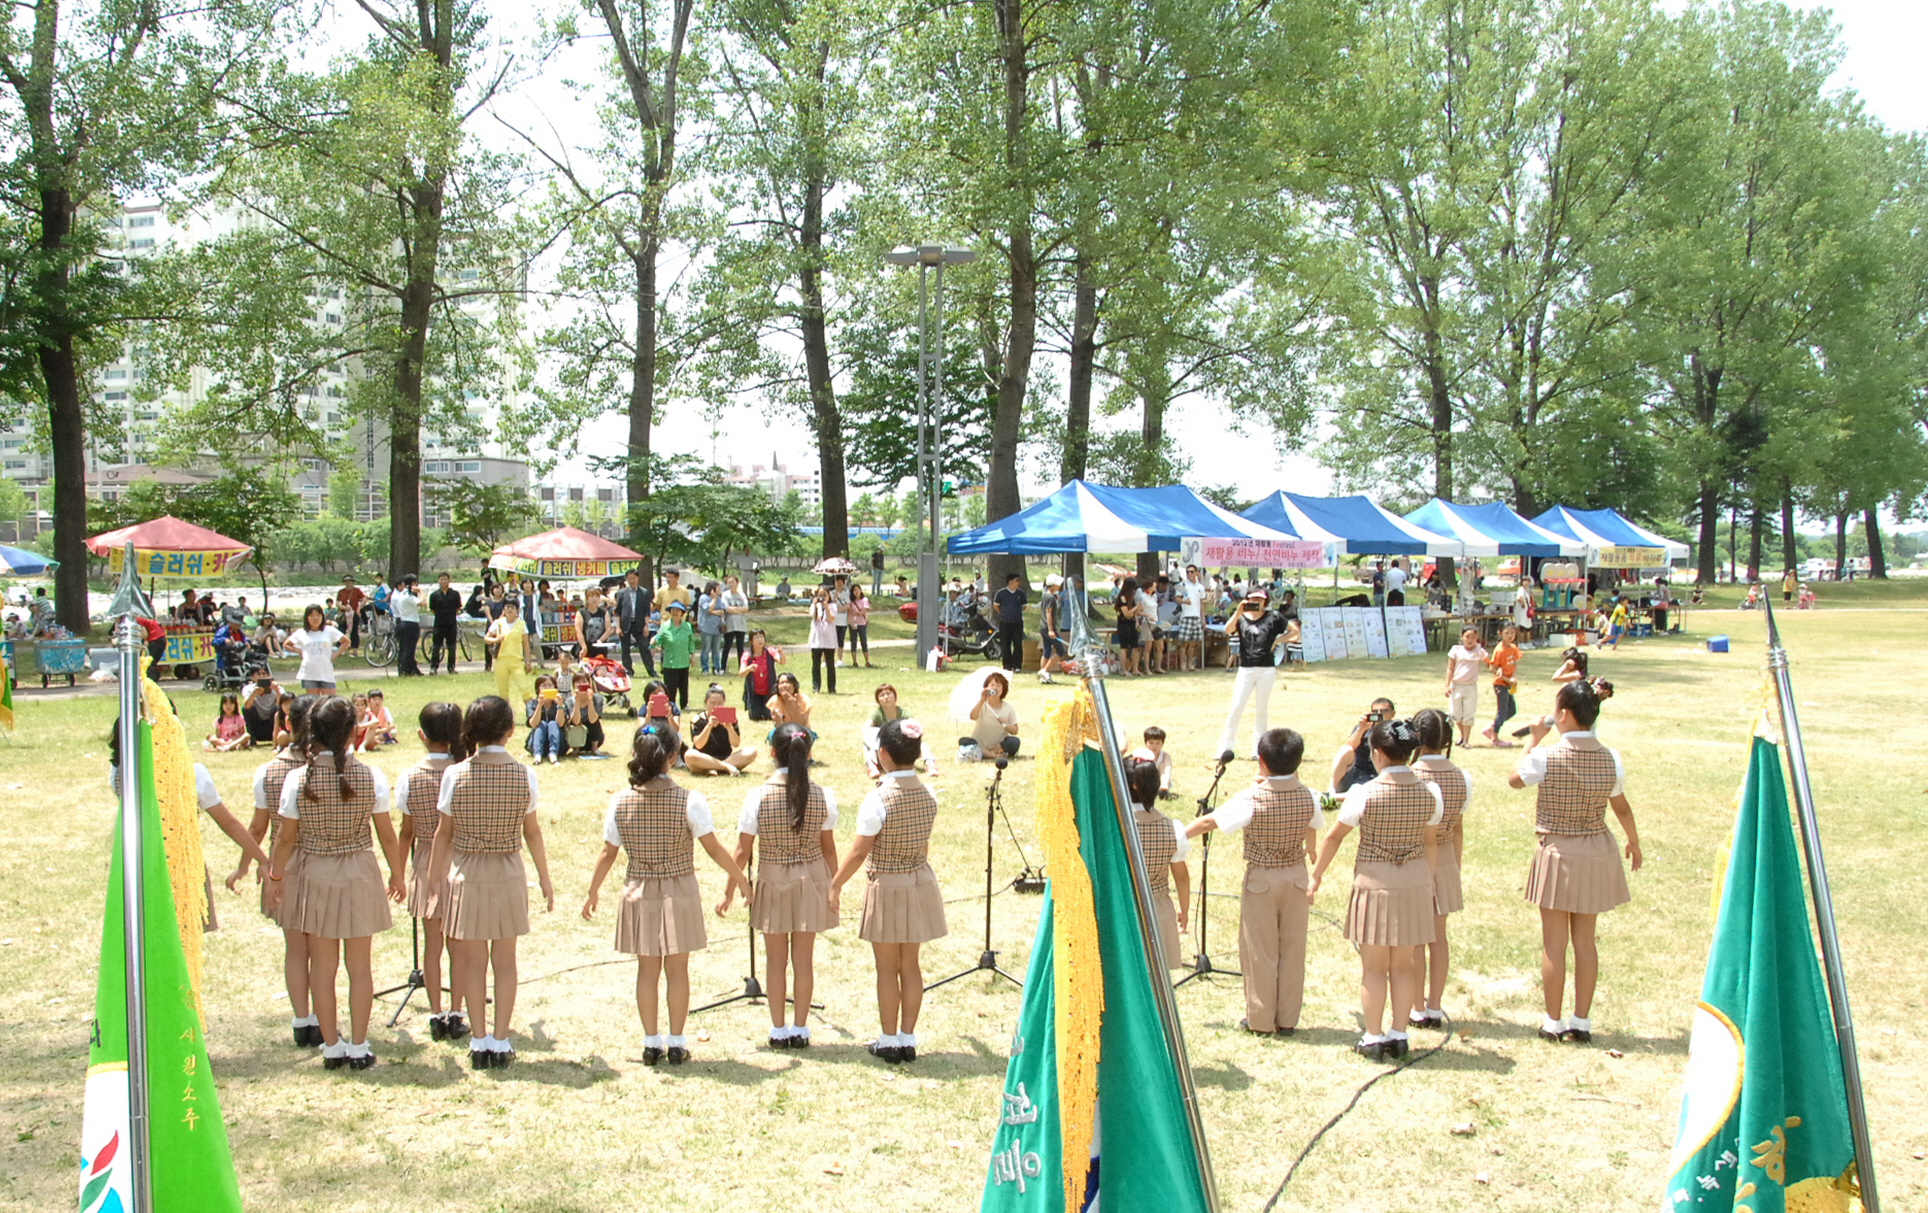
(910, 729)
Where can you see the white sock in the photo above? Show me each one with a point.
(781, 1032)
(1552, 1025)
(479, 1044)
(499, 1046)
(907, 1040)
(359, 1050)
(338, 1049)
(307, 1021)
(800, 1030)
(652, 1042)
(1396, 1036)
(1372, 1038)
(1434, 1013)
(677, 1042)
(1579, 1024)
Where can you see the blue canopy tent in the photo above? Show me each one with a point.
(1493, 524)
(1606, 534)
(1358, 526)
(1081, 517)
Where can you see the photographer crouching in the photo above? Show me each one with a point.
(1257, 634)
(1353, 763)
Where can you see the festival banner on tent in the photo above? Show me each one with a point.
(1405, 631)
(1312, 636)
(1376, 634)
(1353, 620)
(1332, 621)
(177, 564)
(564, 570)
(1628, 557)
(188, 648)
(1255, 553)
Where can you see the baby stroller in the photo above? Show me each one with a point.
(611, 681)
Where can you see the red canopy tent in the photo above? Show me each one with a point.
(565, 552)
(170, 547)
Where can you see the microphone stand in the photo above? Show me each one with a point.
(415, 982)
(1202, 964)
(987, 959)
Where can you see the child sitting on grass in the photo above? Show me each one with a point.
(381, 725)
(230, 730)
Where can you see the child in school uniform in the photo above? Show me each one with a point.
(1281, 820)
(1576, 874)
(1164, 845)
(417, 791)
(269, 779)
(1435, 766)
(1391, 907)
(490, 801)
(660, 922)
(795, 820)
(336, 898)
(903, 906)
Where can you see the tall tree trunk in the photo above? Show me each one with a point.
(1439, 404)
(67, 435)
(642, 390)
(823, 393)
(405, 418)
(1754, 524)
(1708, 556)
(1014, 378)
(1790, 551)
(1840, 543)
(1084, 358)
(1877, 563)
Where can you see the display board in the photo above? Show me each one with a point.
(1312, 635)
(1405, 631)
(1375, 626)
(1353, 619)
(1332, 621)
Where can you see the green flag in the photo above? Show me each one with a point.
(1151, 1162)
(1764, 1121)
(190, 1167)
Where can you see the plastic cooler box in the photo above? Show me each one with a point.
(1717, 644)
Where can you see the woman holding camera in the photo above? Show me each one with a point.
(1576, 874)
(1256, 634)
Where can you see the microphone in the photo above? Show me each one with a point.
(1002, 762)
(1227, 758)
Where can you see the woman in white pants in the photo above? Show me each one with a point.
(1256, 634)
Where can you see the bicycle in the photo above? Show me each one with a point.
(378, 639)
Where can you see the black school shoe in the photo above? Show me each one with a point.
(501, 1058)
(363, 1062)
(676, 1055)
(651, 1055)
(779, 1042)
(1376, 1051)
(1425, 1021)
(1396, 1049)
(889, 1053)
(454, 1027)
(308, 1036)
(906, 1052)
(333, 1063)
(438, 1028)
(1555, 1037)
(479, 1059)
(1246, 1026)
(1577, 1036)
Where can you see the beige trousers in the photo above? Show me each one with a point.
(1271, 946)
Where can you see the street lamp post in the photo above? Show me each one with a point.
(930, 419)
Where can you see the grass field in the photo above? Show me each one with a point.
(579, 1124)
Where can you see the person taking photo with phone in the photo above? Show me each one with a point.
(1256, 633)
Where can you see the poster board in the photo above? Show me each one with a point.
(1311, 636)
(1353, 619)
(1375, 633)
(1409, 626)
(1332, 623)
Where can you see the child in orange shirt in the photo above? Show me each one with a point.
(1505, 657)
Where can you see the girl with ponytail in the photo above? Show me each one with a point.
(269, 779)
(1449, 840)
(660, 921)
(796, 821)
(335, 896)
(1391, 907)
(476, 871)
(1575, 875)
(416, 792)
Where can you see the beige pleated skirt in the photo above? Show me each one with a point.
(288, 879)
(1578, 873)
(1391, 905)
(1171, 941)
(422, 901)
(903, 907)
(792, 897)
(487, 896)
(661, 916)
(337, 897)
(1447, 895)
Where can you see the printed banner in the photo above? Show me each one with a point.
(1628, 557)
(1376, 634)
(564, 570)
(1405, 631)
(1255, 553)
(1312, 636)
(1332, 621)
(188, 648)
(177, 564)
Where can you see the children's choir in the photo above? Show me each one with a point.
(468, 810)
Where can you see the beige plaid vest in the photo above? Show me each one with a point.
(781, 843)
(1275, 837)
(1159, 843)
(422, 786)
(276, 771)
(903, 845)
(330, 823)
(1573, 796)
(655, 827)
(488, 803)
(1451, 782)
(1393, 827)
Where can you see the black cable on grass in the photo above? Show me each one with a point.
(1412, 1059)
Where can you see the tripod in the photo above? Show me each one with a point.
(987, 959)
(1202, 965)
(414, 981)
(752, 988)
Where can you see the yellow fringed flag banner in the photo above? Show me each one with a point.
(180, 826)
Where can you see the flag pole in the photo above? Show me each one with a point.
(1091, 658)
(127, 600)
(1823, 914)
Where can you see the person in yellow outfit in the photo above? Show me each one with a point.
(512, 662)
